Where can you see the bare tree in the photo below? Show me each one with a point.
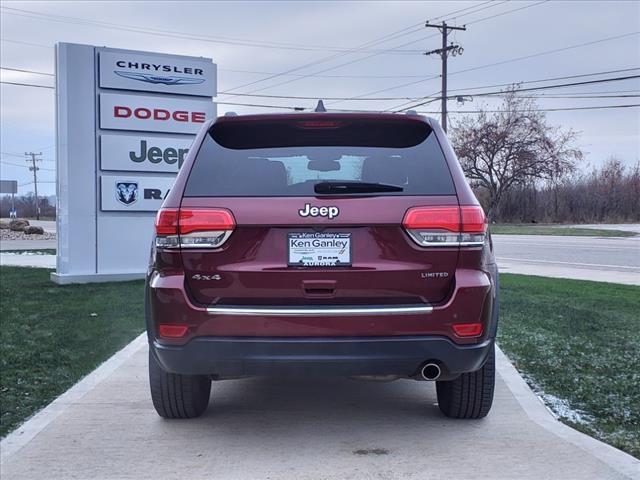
(512, 147)
(609, 193)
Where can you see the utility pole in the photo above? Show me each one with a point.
(444, 53)
(35, 169)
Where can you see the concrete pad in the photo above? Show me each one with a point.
(325, 429)
(27, 260)
(28, 244)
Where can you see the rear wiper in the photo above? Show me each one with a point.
(346, 186)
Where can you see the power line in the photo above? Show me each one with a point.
(254, 72)
(27, 71)
(20, 84)
(505, 13)
(562, 109)
(432, 36)
(564, 97)
(382, 39)
(299, 97)
(19, 42)
(496, 93)
(522, 82)
(172, 33)
(319, 76)
(354, 50)
(284, 107)
(530, 89)
(296, 108)
(260, 105)
(430, 97)
(12, 154)
(392, 98)
(548, 52)
(566, 77)
(25, 166)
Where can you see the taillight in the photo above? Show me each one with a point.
(467, 329)
(446, 226)
(319, 124)
(172, 331)
(193, 227)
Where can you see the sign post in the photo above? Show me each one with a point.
(125, 122)
(10, 186)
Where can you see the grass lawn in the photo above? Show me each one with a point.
(578, 345)
(51, 335)
(535, 229)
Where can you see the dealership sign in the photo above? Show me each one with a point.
(157, 73)
(153, 114)
(133, 193)
(132, 153)
(125, 124)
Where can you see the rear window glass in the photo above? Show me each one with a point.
(256, 159)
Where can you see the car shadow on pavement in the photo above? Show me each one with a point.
(344, 411)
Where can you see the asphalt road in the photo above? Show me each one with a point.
(605, 259)
(610, 259)
(106, 428)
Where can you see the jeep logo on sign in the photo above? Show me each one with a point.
(156, 154)
(309, 211)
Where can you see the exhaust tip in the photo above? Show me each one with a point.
(430, 371)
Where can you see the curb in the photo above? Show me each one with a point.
(22, 435)
(532, 405)
(537, 411)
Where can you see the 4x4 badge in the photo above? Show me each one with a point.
(197, 276)
(309, 211)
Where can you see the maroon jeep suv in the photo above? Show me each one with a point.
(321, 244)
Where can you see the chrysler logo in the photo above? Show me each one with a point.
(159, 79)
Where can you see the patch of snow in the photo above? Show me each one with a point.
(559, 406)
(25, 252)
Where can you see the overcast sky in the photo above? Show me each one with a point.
(251, 41)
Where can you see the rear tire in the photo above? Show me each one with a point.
(177, 396)
(471, 394)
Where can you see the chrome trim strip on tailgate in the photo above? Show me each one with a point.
(319, 311)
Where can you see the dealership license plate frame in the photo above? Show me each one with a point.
(346, 255)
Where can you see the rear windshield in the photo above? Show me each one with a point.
(287, 159)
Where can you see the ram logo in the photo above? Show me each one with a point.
(127, 192)
(159, 79)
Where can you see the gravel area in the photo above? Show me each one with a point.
(11, 235)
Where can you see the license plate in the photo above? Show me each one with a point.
(319, 249)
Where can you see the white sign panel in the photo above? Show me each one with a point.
(125, 121)
(143, 153)
(154, 114)
(133, 193)
(157, 73)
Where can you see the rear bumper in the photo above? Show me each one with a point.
(310, 356)
(169, 303)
